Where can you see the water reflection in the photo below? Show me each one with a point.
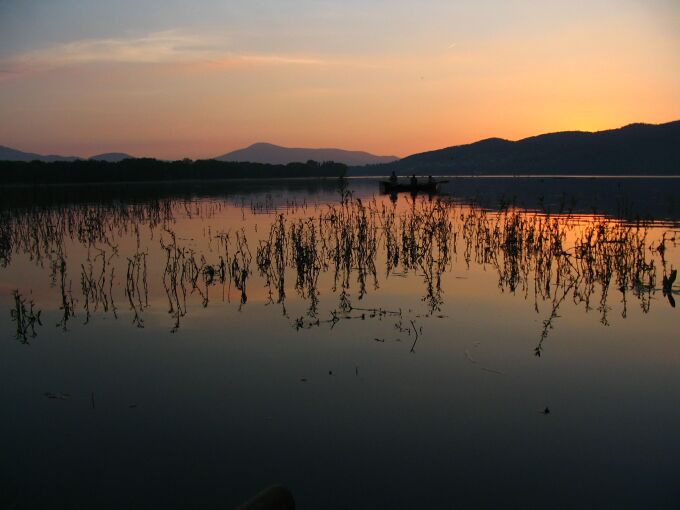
(102, 255)
(321, 333)
(25, 317)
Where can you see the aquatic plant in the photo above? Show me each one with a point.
(354, 244)
(25, 317)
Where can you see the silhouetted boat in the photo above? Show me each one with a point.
(420, 187)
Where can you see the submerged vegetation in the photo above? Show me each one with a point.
(346, 250)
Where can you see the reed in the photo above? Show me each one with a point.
(348, 248)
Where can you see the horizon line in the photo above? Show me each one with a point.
(394, 155)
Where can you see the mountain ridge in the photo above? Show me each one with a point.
(10, 154)
(638, 147)
(261, 152)
(111, 157)
(635, 148)
(265, 152)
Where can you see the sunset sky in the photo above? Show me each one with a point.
(171, 78)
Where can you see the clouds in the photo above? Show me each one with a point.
(193, 77)
(156, 48)
(169, 47)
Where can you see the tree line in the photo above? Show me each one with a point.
(148, 169)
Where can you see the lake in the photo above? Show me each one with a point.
(512, 342)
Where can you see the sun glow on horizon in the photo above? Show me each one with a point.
(205, 83)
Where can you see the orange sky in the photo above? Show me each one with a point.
(198, 85)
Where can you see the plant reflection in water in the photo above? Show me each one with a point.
(326, 250)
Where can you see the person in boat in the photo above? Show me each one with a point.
(414, 181)
(430, 180)
(393, 178)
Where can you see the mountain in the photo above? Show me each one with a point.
(633, 149)
(112, 157)
(8, 154)
(274, 154)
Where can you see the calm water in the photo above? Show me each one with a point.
(187, 346)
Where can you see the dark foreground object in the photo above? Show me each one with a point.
(274, 498)
(154, 170)
(387, 187)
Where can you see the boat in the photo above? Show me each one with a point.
(389, 187)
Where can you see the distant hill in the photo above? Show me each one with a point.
(112, 157)
(276, 155)
(634, 149)
(9, 154)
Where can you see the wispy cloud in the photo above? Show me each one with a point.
(277, 59)
(239, 60)
(167, 47)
